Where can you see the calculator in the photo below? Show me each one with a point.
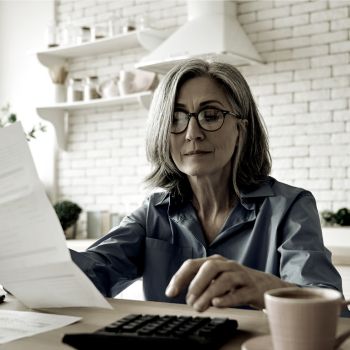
(2, 297)
(156, 332)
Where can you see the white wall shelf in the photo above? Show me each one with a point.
(147, 38)
(58, 113)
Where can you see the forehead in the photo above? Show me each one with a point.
(201, 89)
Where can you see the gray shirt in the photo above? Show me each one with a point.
(274, 228)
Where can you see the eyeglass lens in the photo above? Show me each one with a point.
(208, 119)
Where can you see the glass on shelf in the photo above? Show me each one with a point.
(90, 88)
(142, 22)
(113, 27)
(83, 35)
(128, 25)
(52, 35)
(74, 90)
(68, 34)
(98, 31)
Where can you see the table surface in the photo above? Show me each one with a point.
(251, 323)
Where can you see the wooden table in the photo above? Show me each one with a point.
(251, 323)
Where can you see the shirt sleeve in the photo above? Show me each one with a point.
(116, 260)
(305, 260)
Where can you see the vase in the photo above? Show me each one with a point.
(71, 232)
(60, 93)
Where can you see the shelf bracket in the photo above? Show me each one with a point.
(60, 120)
(51, 60)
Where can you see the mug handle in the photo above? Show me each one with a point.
(342, 337)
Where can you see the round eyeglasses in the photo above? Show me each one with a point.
(209, 119)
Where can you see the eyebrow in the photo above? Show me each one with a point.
(202, 104)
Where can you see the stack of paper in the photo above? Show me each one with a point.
(35, 264)
(20, 324)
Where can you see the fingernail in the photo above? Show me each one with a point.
(191, 299)
(198, 307)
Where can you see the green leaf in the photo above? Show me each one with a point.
(67, 212)
(12, 118)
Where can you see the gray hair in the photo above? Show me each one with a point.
(251, 162)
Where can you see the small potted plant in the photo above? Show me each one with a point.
(68, 213)
(339, 218)
(336, 229)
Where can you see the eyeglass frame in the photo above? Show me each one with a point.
(195, 115)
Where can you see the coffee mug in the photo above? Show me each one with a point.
(304, 318)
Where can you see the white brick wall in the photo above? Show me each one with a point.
(303, 92)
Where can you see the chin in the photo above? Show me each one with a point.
(197, 171)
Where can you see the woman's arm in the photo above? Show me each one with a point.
(304, 261)
(116, 260)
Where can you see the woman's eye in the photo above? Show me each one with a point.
(179, 117)
(210, 115)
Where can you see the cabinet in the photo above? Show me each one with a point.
(58, 114)
(337, 240)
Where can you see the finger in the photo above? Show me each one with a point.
(209, 271)
(234, 297)
(222, 285)
(206, 274)
(183, 276)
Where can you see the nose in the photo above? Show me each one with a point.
(193, 131)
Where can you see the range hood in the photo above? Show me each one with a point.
(212, 31)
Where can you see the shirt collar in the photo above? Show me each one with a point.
(263, 190)
(162, 198)
(247, 199)
(250, 195)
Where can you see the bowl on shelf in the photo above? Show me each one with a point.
(109, 88)
(134, 81)
(144, 81)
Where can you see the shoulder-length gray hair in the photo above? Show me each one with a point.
(251, 162)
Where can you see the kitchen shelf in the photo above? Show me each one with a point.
(58, 114)
(146, 38)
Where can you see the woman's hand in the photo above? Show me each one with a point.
(217, 281)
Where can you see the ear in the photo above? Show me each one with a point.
(244, 122)
(242, 127)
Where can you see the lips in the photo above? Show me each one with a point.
(196, 152)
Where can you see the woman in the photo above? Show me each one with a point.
(222, 231)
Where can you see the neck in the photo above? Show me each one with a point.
(213, 200)
(210, 196)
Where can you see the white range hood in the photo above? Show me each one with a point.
(212, 30)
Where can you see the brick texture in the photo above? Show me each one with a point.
(303, 93)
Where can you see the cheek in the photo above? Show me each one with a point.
(228, 145)
(233, 144)
(174, 148)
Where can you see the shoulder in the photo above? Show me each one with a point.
(288, 198)
(151, 205)
(272, 188)
(283, 201)
(158, 198)
(286, 190)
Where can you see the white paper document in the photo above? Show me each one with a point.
(19, 324)
(35, 264)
